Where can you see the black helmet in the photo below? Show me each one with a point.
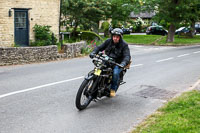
(117, 31)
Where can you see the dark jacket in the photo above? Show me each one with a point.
(120, 52)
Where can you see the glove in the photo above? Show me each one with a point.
(122, 65)
(92, 55)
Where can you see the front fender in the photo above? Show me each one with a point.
(90, 76)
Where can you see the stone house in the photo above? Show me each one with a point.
(18, 17)
(143, 15)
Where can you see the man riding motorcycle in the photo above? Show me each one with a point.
(118, 49)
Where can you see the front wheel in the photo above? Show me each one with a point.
(83, 98)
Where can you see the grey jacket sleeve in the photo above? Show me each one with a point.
(101, 47)
(126, 55)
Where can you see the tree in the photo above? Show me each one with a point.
(192, 15)
(70, 11)
(174, 12)
(120, 11)
(96, 11)
(85, 13)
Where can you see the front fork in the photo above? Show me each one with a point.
(93, 89)
(98, 86)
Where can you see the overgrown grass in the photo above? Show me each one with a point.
(181, 115)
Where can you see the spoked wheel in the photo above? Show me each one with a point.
(83, 98)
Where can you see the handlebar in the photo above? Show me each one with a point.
(107, 59)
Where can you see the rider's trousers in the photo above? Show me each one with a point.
(115, 78)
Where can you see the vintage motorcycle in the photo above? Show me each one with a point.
(98, 81)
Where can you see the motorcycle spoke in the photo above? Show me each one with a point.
(85, 97)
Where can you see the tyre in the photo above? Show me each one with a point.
(83, 98)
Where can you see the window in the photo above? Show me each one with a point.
(20, 20)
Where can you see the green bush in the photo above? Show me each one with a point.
(43, 36)
(116, 24)
(105, 27)
(90, 47)
(89, 36)
(86, 50)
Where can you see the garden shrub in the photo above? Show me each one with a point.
(105, 27)
(89, 36)
(43, 36)
(90, 46)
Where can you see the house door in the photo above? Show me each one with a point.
(21, 27)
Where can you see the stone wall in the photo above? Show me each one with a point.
(41, 12)
(23, 55)
(72, 50)
(27, 55)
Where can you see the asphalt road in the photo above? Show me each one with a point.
(40, 98)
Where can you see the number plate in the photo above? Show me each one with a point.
(97, 72)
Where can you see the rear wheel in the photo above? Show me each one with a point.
(83, 98)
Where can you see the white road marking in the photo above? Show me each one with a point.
(196, 52)
(38, 87)
(183, 55)
(165, 59)
(138, 46)
(137, 65)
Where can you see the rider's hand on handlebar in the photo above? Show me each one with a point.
(92, 55)
(122, 65)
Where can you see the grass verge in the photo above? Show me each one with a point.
(181, 115)
(160, 40)
(141, 39)
(181, 41)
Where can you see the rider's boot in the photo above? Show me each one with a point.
(112, 93)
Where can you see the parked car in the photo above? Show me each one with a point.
(126, 30)
(197, 28)
(183, 30)
(156, 30)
